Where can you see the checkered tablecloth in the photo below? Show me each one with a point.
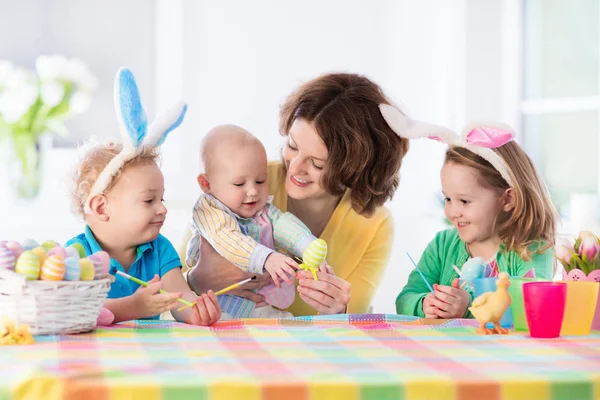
(343, 357)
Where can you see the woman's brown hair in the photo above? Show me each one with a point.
(532, 221)
(365, 154)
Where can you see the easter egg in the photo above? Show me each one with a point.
(72, 252)
(3, 243)
(58, 251)
(49, 244)
(72, 269)
(87, 270)
(80, 249)
(41, 253)
(101, 261)
(30, 244)
(315, 253)
(28, 264)
(15, 247)
(7, 258)
(473, 268)
(53, 269)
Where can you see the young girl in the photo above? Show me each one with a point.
(500, 210)
(119, 192)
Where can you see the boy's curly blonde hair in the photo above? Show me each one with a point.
(94, 159)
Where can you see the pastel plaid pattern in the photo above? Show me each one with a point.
(341, 357)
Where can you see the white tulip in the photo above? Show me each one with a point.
(52, 92)
(80, 101)
(15, 102)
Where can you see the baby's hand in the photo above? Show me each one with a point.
(150, 302)
(280, 267)
(324, 267)
(207, 310)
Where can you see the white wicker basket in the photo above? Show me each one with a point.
(49, 307)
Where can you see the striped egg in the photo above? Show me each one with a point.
(72, 270)
(87, 270)
(3, 243)
(30, 244)
(101, 261)
(53, 269)
(58, 251)
(7, 258)
(41, 253)
(315, 253)
(28, 264)
(15, 247)
(72, 252)
(80, 249)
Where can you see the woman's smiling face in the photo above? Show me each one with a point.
(305, 156)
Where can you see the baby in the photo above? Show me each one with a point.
(236, 217)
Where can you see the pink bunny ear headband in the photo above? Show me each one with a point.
(480, 138)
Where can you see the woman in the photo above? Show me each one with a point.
(340, 165)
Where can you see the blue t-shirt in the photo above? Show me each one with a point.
(156, 257)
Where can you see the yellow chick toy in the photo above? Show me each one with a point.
(491, 306)
(313, 257)
(11, 334)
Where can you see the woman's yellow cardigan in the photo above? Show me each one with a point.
(358, 248)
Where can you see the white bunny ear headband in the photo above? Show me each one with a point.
(480, 138)
(134, 129)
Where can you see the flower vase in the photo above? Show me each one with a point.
(26, 155)
(594, 276)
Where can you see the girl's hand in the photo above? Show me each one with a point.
(429, 309)
(329, 295)
(149, 302)
(450, 301)
(215, 272)
(280, 267)
(207, 310)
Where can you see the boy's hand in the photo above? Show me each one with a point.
(450, 301)
(149, 302)
(428, 308)
(207, 310)
(280, 267)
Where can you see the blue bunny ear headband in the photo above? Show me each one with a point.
(480, 137)
(135, 132)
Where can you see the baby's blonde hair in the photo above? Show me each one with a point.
(533, 219)
(95, 158)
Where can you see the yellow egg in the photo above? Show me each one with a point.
(87, 269)
(41, 253)
(28, 264)
(315, 253)
(53, 268)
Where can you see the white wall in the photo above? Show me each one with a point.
(235, 62)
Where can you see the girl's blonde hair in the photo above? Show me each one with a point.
(533, 219)
(94, 160)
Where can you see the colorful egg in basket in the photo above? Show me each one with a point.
(15, 247)
(87, 270)
(7, 258)
(28, 264)
(53, 269)
(72, 270)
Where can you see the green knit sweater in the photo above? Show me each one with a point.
(447, 249)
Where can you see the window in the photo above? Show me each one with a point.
(560, 104)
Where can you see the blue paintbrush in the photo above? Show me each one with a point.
(420, 273)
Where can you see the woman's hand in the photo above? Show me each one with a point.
(450, 301)
(214, 272)
(329, 295)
